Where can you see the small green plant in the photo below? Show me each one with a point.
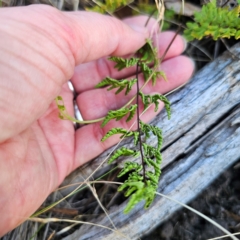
(215, 22)
(142, 179)
(107, 6)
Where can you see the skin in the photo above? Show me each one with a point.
(42, 48)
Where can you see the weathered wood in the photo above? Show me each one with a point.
(200, 141)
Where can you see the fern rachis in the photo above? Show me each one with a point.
(142, 182)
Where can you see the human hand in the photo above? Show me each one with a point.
(40, 49)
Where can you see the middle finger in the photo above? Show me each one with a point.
(88, 75)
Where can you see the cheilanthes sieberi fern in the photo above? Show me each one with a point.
(142, 178)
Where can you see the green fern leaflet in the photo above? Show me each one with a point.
(120, 84)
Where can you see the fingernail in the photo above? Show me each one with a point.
(185, 42)
(194, 66)
(137, 28)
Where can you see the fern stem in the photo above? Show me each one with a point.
(138, 125)
(140, 89)
(170, 44)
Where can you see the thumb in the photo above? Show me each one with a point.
(40, 47)
(97, 36)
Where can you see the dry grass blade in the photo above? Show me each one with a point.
(48, 220)
(94, 192)
(90, 182)
(201, 215)
(160, 17)
(224, 236)
(51, 235)
(66, 229)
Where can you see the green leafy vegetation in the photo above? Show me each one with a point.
(120, 84)
(141, 183)
(149, 99)
(214, 22)
(107, 6)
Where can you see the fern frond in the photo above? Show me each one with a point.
(63, 114)
(136, 197)
(124, 132)
(158, 157)
(129, 85)
(166, 102)
(61, 107)
(123, 152)
(149, 99)
(141, 183)
(132, 111)
(120, 84)
(122, 63)
(129, 166)
(135, 186)
(153, 177)
(156, 167)
(146, 129)
(134, 177)
(119, 114)
(149, 151)
(139, 192)
(147, 72)
(150, 195)
(114, 131)
(214, 22)
(146, 160)
(148, 54)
